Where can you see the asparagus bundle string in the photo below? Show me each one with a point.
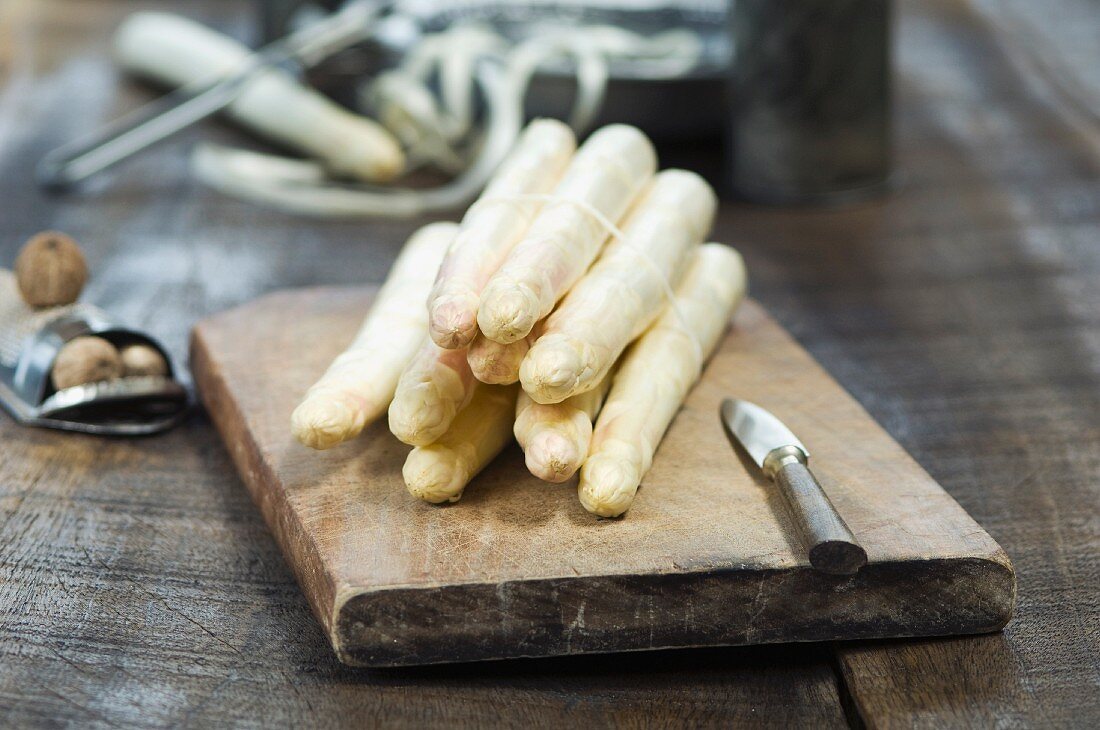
(605, 176)
(655, 377)
(605, 324)
(358, 386)
(617, 299)
(491, 228)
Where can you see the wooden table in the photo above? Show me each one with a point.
(138, 584)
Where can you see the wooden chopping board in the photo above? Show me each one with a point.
(518, 569)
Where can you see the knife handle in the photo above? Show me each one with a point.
(831, 546)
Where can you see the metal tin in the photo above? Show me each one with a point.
(809, 105)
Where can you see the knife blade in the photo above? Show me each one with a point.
(829, 543)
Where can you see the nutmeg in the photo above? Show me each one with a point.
(50, 270)
(85, 360)
(142, 360)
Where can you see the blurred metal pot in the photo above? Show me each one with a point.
(809, 103)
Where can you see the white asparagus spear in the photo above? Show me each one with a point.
(492, 362)
(606, 175)
(436, 386)
(623, 292)
(493, 226)
(358, 386)
(555, 437)
(440, 471)
(179, 52)
(655, 377)
(499, 364)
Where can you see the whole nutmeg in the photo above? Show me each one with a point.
(50, 270)
(142, 360)
(85, 360)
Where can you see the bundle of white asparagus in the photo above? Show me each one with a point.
(574, 307)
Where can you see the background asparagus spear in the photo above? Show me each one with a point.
(179, 52)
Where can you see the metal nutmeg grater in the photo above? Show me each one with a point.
(29, 342)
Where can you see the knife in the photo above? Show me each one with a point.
(831, 546)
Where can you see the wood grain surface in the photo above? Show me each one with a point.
(139, 585)
(706, 556)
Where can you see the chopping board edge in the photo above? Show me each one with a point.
(741, 607)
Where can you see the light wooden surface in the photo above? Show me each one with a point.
(139, 585)
(706, 555)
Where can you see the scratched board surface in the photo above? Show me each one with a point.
(518, 568)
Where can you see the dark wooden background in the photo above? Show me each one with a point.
(138, 585)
